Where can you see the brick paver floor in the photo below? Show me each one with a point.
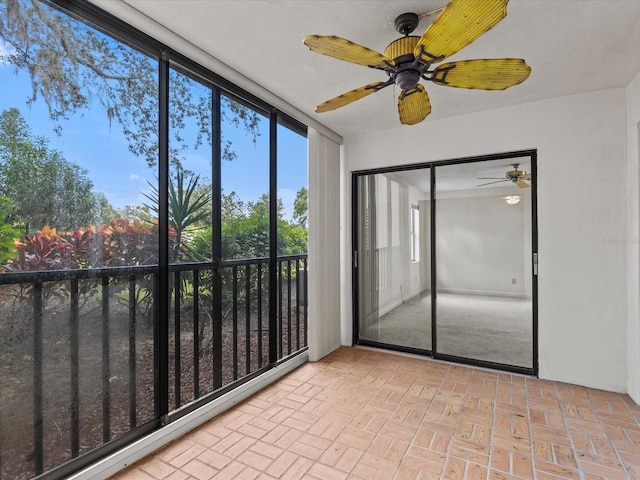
(364, 414)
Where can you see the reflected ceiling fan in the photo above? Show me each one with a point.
(516, 176)
(410, 58)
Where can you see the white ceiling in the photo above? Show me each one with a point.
(572, 46)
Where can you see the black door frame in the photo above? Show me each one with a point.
(433, 167)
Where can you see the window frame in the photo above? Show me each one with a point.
(169, 59)
(414, 233)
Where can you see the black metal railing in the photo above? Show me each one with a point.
(79, 349)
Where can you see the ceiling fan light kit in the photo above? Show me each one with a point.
(409, 59)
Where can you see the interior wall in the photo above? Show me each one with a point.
(582, 148)
(633, 237)
(425, 243)
(415, 279)
(400, 279)
(479, 245)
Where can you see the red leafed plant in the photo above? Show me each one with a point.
(119, 243)
(45, 250)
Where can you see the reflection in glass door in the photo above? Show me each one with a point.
(444, 260)
(483, 249)
(394, 273)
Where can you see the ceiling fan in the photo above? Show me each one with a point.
(410, 58)
(516, 176)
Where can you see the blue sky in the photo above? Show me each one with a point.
(88, 140)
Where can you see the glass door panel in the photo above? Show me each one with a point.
(394, 264)
(483, 251)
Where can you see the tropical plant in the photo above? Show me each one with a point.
(189, 208)
(119, 243)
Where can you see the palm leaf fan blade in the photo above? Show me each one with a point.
(483, 74)
(413, 105)
(349, 97)
(346, 50)
(459, 24)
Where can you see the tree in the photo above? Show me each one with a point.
(246, 233)
(72, 65)
(301, 207)
(232, 207)
(43, 187)
(8, 233)
(106, 212)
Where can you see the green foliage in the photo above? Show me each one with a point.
(245, 231)
(106, 212)
(292, 238)
(246, 235)
(301, 207)
(232, 207)
(44, 188)
(7, 233)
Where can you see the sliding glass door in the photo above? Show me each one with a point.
(394, 273)
(483, 247)
(444, 260)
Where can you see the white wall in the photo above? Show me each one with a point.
(479, 244)
(425, 243)
(415, 279)
(582, 205)
(399, 278)
(633, 238)
(324, 246)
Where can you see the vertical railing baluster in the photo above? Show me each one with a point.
(157, 360)
(289, 307)
(259, 306)
(247, 327)
(129, 284)
(280, 351)
(132, 353)
(177, 339)
(196, 333)
(297, 304)
(216, 327)
(74, 324)
(235, 321)
(106, 366)
(305, 289)
(38, 430)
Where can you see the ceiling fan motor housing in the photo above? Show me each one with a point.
(406, 75)
(407, 79)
